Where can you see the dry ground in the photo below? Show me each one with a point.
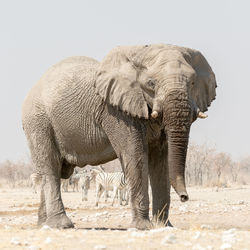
(211, 219)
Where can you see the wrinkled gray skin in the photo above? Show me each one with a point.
(85, 112)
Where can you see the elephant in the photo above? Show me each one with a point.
(136, 105)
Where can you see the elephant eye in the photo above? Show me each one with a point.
(192, 83)
(151, 84)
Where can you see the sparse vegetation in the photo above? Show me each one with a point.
(205, 167)
(208, 167)
(196, 222)
(15, 174)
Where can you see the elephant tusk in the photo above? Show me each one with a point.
(202, 115)
(154, 114)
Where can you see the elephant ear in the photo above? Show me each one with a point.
(203, 91)
(117, 84)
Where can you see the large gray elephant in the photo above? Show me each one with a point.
(137, 105)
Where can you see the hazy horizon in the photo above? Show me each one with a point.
(35, 35)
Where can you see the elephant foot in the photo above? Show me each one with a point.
(142, 224)
(42, 215)
(60, 221)
(41, 221)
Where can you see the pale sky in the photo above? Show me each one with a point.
(38, 34)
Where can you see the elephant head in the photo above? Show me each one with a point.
(166, 82)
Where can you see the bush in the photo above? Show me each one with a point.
(15, 172)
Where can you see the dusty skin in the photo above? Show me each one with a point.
(212, 219)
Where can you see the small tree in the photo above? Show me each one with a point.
(222, 163)
(199, 159)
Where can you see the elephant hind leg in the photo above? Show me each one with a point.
(42, 214)
(47, 161)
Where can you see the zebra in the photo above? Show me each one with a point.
(74, 181)
(85, 185)
(125, 193)
(65, 185)
(36, 181)
(85, 178)
(110, 181)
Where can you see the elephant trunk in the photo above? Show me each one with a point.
(177, 150)
(177, 113)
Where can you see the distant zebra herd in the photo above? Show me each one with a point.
(105, 182)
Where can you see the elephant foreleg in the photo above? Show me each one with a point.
(128, 138)
(159, 180)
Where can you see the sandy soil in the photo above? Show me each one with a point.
(211, 219)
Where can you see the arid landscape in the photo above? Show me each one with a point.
(213, 218)
(161, 85)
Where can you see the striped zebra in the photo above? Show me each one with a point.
(74, 181)
(110, 181)
(124, 194)
(85, 185)
(65, 185)
(85, 179)
(36, 181)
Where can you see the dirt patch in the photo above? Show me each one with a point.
(17, 212)
(212, 219)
